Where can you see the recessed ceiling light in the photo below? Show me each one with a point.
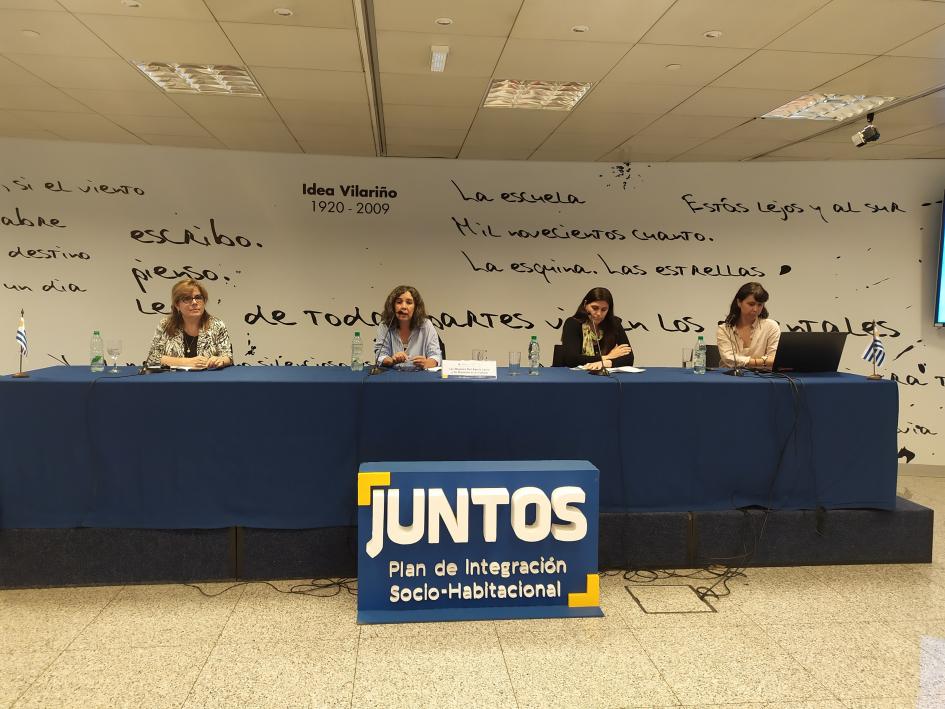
(131, 3)
(283, 12)
(200, 78)
(828, 107)
(541, 95)
(444, 21)
(713, 34)
(439, 53)
(580, 28)
(32, 34)
(673, 67)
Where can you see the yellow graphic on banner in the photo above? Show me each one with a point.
(591, 597)
(368, 480)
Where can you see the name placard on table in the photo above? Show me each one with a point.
(469, 369)
(477, 540)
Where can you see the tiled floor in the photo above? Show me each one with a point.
(824, 637)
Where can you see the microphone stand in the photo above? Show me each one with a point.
(737, 371)
(376, 368)
(602, 372)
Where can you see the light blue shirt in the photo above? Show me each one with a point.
(423, 341)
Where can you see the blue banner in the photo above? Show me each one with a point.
(477, 540)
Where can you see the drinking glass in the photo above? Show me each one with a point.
(687, 357)
(113, 347)
(515, 363)
(479, 355)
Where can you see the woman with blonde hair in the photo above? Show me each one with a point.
(190, 336)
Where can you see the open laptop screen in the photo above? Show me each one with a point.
(809, 351)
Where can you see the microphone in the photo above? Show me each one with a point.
(602, 372)
(737, 371)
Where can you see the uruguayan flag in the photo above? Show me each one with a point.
(875, 352)
(21, 337)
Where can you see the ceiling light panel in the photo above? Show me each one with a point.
(200, 78)
(828, 107)
(537, 95)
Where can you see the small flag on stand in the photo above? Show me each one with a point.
(875, 352)
(21, 336)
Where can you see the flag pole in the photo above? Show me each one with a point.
(21, 374)
(874, 376)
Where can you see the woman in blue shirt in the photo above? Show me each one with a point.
(406, 339)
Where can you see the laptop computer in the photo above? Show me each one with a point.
(809, 351)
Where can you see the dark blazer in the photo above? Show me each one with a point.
(573, 341)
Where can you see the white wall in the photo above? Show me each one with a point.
(834, 264)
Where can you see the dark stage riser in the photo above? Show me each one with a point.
(87, 556)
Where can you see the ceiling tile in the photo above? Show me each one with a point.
(59, 33)
(306, 13)
(931, 45)
(862, 26)
(505, 126)
(296, 47)
(398, 150)
(327, 134)
(607, 20)
(158, 125)
(796, 71)
(78, 126)
(441, 137)
(930, 136)
(549, 60)
(598, 125)
(774, 129)
(39, 98)
(321, 146)
(487, 18)
(152, 39)
(433, 89)
(320, 113)
(209, 106)
(619, 97)
(171, 9)
(713, 101)
(705, 127)
(493, 152)
(85, 72)
(409, 53)
(744, 23)
(45, 5)
(133, 103)
(890, 76)
(311, 84)
(29, 133)
(12, 74)
(182, 141)
(646, 63)
(429, 116)
(730, 149)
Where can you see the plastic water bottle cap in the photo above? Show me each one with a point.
(534, 337)
(95, 332)
(357, 334)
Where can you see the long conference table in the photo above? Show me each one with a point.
(279, 447)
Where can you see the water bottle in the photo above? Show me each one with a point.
(356, 348)
(698, 356)
(533, 355)
(97, 352)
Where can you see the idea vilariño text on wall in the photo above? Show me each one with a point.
(470, 540)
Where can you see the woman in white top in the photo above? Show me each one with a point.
(748, 337)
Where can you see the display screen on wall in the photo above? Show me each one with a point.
(940, 290)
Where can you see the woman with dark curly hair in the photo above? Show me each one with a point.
(406, 339)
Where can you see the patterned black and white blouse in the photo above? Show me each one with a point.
(211, 342)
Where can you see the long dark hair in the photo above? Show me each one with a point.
(753, 288)
(609, 325)
(419, 311)
(174, 322)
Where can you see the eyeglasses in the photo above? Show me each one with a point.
(188, 298)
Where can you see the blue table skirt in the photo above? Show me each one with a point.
(280, 447)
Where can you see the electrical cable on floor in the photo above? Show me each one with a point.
(320, 588)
